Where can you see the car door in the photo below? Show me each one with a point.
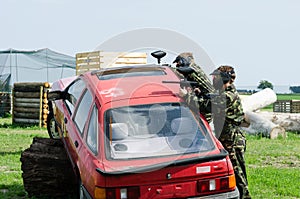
(89, 153)
(79, 119)
(72, 130)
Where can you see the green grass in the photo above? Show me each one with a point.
(273, 166)
(14, 140)
(288, 96)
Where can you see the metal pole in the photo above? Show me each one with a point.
(17, 76)
(47, 64)
(41, 106)
(10, 61)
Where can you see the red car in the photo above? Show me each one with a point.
(129, 135)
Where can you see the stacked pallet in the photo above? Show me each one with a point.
(98, 59)
(5, 103)
(30, 104)
(287, 106)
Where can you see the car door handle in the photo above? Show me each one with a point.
(76, 144)
(66, 120)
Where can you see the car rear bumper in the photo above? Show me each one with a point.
(229, 195)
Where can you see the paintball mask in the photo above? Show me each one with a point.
(228, 69)
(184, 59)
(180, 62)
(220, 78)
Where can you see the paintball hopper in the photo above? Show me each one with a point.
(158, 55)
(185, 70)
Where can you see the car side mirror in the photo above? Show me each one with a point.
(56, 95)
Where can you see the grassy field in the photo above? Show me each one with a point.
(273, 166)
(288, 96)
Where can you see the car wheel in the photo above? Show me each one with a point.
(81, 190)
(52, 127)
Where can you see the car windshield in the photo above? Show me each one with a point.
(155, 130)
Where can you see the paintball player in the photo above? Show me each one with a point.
(228, 105)
(228, 116)
(187, 69)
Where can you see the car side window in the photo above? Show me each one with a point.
(73, 94)
(83, 110)
(92, 134)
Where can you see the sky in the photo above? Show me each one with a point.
(259, 38)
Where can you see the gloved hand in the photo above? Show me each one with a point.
(246, 121)
(197, 91)
(182, 92)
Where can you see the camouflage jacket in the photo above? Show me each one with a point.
(227, 111)
(198, 103)
(234, 110)
(199, 76)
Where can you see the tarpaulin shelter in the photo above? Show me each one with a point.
(43, 65)
(5, 100)
(4, 82)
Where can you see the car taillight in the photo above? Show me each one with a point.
(100, 193)
(117, 193)
(228, 182)
(217, 184)
(206, 185)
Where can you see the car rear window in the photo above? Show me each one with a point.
(154, 130)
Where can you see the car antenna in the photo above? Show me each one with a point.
(158, 55)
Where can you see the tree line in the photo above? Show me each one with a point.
(266, 84)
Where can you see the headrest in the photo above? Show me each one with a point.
(119, 131)
(183, 125)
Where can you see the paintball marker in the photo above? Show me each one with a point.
(209, 95)
(185, 70)
(199, 76)
(183, 83)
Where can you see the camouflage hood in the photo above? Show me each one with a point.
(189, 69)
(184, 59)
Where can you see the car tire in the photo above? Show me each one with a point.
(52, 127)
(81, 194)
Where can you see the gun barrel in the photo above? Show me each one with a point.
(171, 82)
(182, 83)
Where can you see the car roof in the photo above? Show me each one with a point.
(129, 82)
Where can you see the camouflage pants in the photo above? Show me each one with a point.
(235, 143)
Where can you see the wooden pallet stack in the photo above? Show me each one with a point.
(30, 104)
(287, 106)
(283, 106)
(88, 61)
(295, 106)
